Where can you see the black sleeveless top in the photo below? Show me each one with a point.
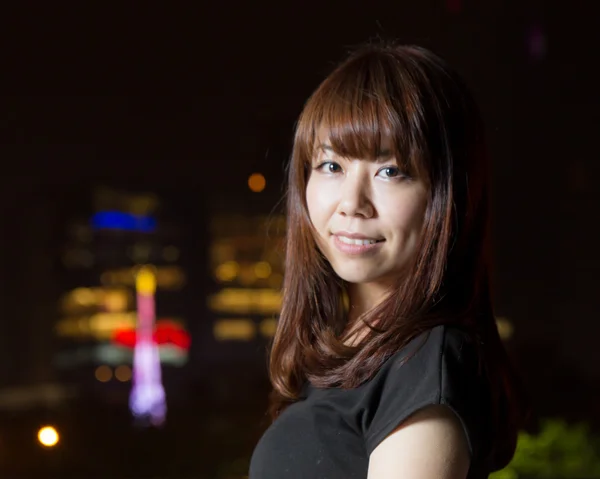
(330, 433)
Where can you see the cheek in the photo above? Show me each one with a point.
(409, 217)
(310, 201)
(317, 204)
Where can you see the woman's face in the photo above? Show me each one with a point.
(368, 215)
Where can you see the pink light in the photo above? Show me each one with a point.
(147, 398)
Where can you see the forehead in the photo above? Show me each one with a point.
(328, 140)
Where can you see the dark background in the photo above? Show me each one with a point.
(187, 102)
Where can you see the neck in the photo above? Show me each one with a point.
(362, 297)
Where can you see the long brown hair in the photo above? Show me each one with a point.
(411, 97)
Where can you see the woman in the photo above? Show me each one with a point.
(387, 362)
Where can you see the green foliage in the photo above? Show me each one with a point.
(559, 451)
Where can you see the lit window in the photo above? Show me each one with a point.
(234, 329)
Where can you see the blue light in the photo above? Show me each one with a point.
(116, 220)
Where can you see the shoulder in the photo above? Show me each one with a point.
(433, 348)
(440, 367)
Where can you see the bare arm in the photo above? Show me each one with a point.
(431, 444)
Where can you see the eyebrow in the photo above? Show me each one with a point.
(382, 155)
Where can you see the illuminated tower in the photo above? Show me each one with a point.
(109, 238)
(147, 399)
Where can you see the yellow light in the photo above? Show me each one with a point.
(84, 296)
(48, 436)
(234, 329)
(145, 281)
(99, 326)
(257, 182)
(262, 270)
(268, 327)
(103, 374)
(167, 277)
(116, 301)
(123, 373)
(103, 325)
(245, 301)
(227, 271)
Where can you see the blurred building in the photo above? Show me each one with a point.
(246, 266)
(104, 243)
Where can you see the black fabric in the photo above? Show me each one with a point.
(330, 433)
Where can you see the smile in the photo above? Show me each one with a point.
(354, 247)
(346, 240)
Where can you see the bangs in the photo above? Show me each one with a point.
(362, 109)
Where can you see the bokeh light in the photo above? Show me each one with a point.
(262, 270)
(227, 271)
(257, 182)
(48, 436)
(103, 373)
(123, 373)
(268, 327)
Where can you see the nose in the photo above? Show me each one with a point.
(355, 197)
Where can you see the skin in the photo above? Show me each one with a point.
(373, 198)
(376, 199)
(430, 444)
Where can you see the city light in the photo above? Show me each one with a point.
(268, 327)
(167, 277)
(48, 436)
(165, 332)
(109, 299)
(227, 271)
(103, 373)
(147, 397)
(244, 301)
(117, 220)
(257, 182)
(123, 373)
(234, 330)
(262, 270)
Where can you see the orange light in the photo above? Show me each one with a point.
(103, 373)
(257, 182)
(123, 373)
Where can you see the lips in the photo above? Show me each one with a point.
(357, 241)
(356, 246)
(349, 237)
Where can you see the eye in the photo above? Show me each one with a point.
(329, 167)
(391, 172)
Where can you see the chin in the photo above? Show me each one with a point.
(355, 276)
